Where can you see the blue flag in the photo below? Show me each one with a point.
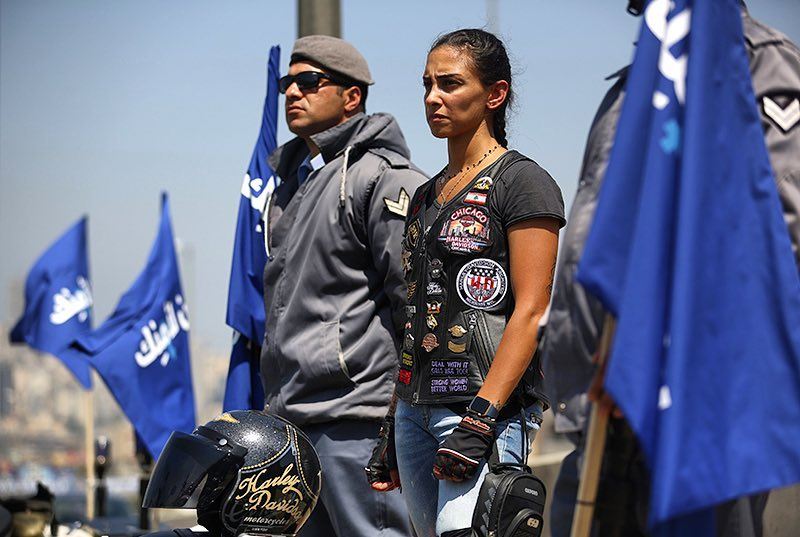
(243, 389)
(58, 302)
(689, 250)
(142, 350)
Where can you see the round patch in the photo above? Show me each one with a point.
(482, 283)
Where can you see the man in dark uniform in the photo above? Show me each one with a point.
(575, 320)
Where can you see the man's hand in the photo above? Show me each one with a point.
(460, 455)
(382, 466)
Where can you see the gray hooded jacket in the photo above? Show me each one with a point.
(334, 290)
(575, 321)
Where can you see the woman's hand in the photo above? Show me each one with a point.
(460, 455)
(382, 466)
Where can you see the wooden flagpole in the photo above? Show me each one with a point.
(88, 399)
(595, 445)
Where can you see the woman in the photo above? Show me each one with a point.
(479, 255)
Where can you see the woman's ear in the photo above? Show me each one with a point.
(498, 92)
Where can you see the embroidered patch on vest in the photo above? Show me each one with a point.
(449, 368)
(412, 288)
(412, 234)
(404, 376)
(475, 198)
(449, 385)
(466, 231)
(431, 322)
(434, 288)
(457, 330)
(482, 283)
(484, 183)
(405, 261)
(457, 348)
(430, 342)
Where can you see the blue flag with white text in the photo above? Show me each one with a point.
(142, 350)
(689, 250)
(243, 389)
(58, 301)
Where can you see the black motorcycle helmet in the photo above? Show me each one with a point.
(244, 471)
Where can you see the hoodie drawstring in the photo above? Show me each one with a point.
(344, 176)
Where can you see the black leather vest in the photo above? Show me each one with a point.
(459, 296)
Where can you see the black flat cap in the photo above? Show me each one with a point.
(334, 54)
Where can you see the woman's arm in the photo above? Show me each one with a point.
(533, 245)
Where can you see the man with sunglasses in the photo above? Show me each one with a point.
(334, 287)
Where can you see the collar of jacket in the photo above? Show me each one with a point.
(330, 142)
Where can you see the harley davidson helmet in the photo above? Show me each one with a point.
(244, 471)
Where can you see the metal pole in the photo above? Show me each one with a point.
(319, 17)
(595, 445)
(88, 429)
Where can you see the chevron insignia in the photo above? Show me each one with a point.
(399, 207)
(785, 118)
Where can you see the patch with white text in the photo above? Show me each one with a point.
(482, 283)
(466, 231)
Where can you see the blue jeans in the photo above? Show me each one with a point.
(348, 507)
(439, 506)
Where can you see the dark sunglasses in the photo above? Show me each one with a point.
(305, 80)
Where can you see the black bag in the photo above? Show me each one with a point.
(511, 500)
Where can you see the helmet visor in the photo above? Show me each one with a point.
(188, 466)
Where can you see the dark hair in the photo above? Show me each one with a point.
(490, 59)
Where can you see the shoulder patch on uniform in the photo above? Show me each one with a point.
(399, 206)
(786, 117)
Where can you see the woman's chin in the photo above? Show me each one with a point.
(439, 132)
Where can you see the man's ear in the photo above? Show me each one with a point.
(498, 92)
(352, 99)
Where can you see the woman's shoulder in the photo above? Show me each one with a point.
(522, 168)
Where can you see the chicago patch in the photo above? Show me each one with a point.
(466, 231)
(482, 283)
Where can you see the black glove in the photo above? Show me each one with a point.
(382, 466)
(462, 452)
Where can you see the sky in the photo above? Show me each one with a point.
(105, 104)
